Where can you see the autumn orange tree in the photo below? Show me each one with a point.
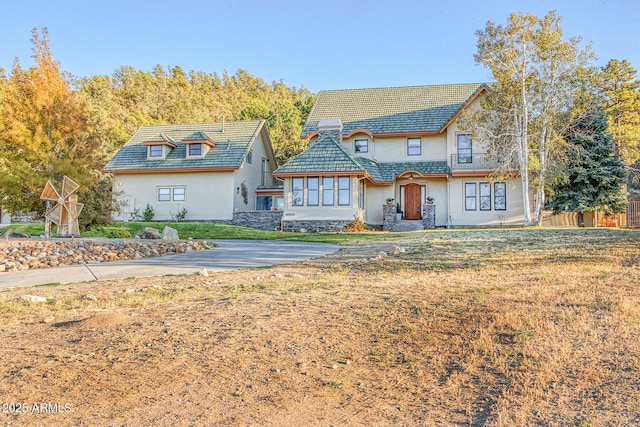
(45, 131)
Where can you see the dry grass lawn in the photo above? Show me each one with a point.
(463, 328)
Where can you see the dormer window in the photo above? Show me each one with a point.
(198, 144)
(159, 147)
(195, 150)
(156, 151)
(362, 145)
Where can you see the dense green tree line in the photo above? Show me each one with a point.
(54, 124)
(131, 98)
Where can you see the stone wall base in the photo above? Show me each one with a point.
(315, 226)
(261, 220)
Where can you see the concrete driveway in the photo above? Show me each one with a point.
(229, 255)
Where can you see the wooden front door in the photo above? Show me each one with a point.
(412, 202)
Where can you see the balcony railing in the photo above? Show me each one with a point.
(474, 162)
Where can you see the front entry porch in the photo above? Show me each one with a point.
(412, 196)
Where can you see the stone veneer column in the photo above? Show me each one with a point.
(429, 216)
(388, 217)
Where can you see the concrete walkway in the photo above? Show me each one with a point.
(230, 255)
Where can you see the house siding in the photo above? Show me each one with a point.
(459, 217)
(209, 195)
(250, 174)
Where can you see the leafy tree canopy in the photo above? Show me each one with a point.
(538, 75)
(45, 132)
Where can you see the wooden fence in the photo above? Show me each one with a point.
(633, 214)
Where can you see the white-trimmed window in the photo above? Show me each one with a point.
(344, 191)
(179, 194)
(465, 149)
(167, 194)
(297, 190)
(414, 146)
(500, 193)
(485, 196)
(164, 194)
(327, 191)
(313, 189)
(361, 145)
(470, 196)
(156, 152)
(250, 157)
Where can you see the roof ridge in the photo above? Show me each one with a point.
(406, 87)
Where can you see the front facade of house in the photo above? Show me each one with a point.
(206, 172)
(370, 145)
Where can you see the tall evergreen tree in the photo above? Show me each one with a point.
(595, 177)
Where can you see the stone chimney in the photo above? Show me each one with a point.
(330, 128)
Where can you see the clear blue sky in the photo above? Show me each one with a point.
(317, 44)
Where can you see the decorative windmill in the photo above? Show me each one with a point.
(66, 210)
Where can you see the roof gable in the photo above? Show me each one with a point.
(393, 110)
(230, 144)
(325, 156)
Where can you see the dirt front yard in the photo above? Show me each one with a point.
(446, 328)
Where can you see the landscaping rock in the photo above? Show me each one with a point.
(170, 234)
(32, 299)
(150, 233)
(26, 254)
(395, 250)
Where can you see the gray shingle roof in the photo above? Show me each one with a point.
(230, 150)
(392, 109)
(328, 156)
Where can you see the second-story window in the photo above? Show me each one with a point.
(465, 149)
(195, 149)
(155, 151)
(414, 147)
(362, 145)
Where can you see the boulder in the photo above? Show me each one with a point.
(33, 298)
(150, 233)
(170, 234)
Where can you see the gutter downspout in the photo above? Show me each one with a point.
(448, 202)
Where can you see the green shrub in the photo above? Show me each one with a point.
(148, 213)
(117, 232)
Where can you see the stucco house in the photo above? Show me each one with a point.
(210, 171)
(400, 143)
